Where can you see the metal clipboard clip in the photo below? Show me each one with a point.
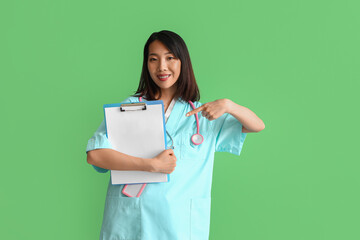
(132, 107)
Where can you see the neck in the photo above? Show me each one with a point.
(167, 95)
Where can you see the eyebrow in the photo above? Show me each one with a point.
(156, 54)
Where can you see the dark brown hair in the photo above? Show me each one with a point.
(187, 88)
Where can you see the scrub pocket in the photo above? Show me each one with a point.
(200, 218)
(122, 219)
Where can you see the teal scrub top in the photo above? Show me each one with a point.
(178, 209)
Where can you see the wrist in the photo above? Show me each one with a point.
(147, 164)
(229, 106)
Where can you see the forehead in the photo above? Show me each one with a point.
(158, 48)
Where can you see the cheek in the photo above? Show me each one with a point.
(151, 70)
(177, 68)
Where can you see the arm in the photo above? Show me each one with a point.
(215, 109)
(249, 120)
(114, 160)
(106, 158)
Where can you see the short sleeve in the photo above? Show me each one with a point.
(229, 135)
(99, 140)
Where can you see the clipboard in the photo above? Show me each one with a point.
(136, 129)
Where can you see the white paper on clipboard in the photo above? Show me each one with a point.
(139, 133)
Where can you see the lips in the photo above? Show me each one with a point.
(163, 77)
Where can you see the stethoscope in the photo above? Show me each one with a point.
(196, 138)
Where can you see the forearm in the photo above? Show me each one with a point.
(114, 160)
(245, 116)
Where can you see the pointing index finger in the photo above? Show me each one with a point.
(195, 111)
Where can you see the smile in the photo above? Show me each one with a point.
(164, 77)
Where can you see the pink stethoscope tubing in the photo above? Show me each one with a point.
(197, 138)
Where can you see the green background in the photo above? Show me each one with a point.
(293, 63)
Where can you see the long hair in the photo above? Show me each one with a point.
(187, 88)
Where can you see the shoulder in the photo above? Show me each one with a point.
(196, 103)
(131, 99)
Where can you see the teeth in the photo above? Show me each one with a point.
(165, 76)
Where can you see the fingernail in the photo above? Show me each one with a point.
(187, 115)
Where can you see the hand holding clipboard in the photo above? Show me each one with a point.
(136, 129)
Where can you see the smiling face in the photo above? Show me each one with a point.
(161, 64)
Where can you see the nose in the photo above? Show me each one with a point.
(162, 65)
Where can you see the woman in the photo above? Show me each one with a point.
(180, 208)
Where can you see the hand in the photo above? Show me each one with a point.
(164, 162)
(213, 110)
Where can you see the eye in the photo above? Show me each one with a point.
(171, 58)
(152, 59)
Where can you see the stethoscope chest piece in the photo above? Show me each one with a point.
(197, 139)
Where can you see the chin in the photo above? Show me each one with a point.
(165, 86)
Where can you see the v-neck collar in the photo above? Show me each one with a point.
(169, 109)
(174, 117)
